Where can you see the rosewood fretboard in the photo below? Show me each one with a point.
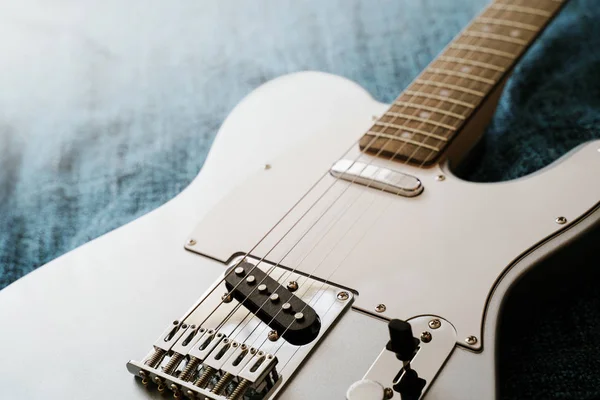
(424, 119)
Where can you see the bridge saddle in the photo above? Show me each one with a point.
(230, 346)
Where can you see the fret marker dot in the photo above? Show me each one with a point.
(444, 92)
(515, 33)
(424, 114)
(466, 70)
(406, 135)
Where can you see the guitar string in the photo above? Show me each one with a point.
(394, 157)
(296, 351)
(384, 146)
(316, 243)
(425, 160)
(336, 180)
(341, 263)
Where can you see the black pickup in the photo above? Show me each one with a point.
(297, 330)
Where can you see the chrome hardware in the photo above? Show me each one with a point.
(380, 308)
(273, 336)
(154, 359)
(207, 373)
(377, 177)
(388, 371)
(173, 363)
(226, 298)
(440, 178)
(189, 369)
(426, 336)
(292, 286)
(239, 391)
(342, 296)
(561, 220)
(435, 323)
(194, 359)
(471, 340)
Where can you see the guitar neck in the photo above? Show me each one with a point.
(432, 111)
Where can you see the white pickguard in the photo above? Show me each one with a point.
(69, 327)
(438, 253)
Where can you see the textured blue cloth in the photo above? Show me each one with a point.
(108, 109)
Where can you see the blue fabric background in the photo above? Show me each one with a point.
(108, 109)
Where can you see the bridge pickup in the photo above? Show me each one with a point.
(273, 303)
(377, 177)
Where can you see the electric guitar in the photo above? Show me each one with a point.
(326, 251)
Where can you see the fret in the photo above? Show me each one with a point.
(480, 49)
(427, 108)
(441, 71)
(419, 119)
(402, 139)
(508, 23)
(450, 86)
(472, 63)
(440, 98)
(424, 119)
(521, 9)
(493, 36)
(409, 129)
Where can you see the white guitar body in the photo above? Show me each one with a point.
(69, 327)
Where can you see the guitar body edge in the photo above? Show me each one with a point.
(73, 324)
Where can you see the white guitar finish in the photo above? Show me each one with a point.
(69, 327)
(438, 253)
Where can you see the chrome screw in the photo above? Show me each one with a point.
(267, 166)
(435, 323)
(191, 242)
(226, 298)
(343, 296)
(440, 178)
(561, 220)
(425, 337)
(380, 308)
(292, 286)
(273, 335)
(388, 393)
(471, 340)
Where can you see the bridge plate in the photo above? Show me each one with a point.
(221, 350)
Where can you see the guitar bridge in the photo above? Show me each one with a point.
(245, 337)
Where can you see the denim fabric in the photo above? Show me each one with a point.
(108, 109)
